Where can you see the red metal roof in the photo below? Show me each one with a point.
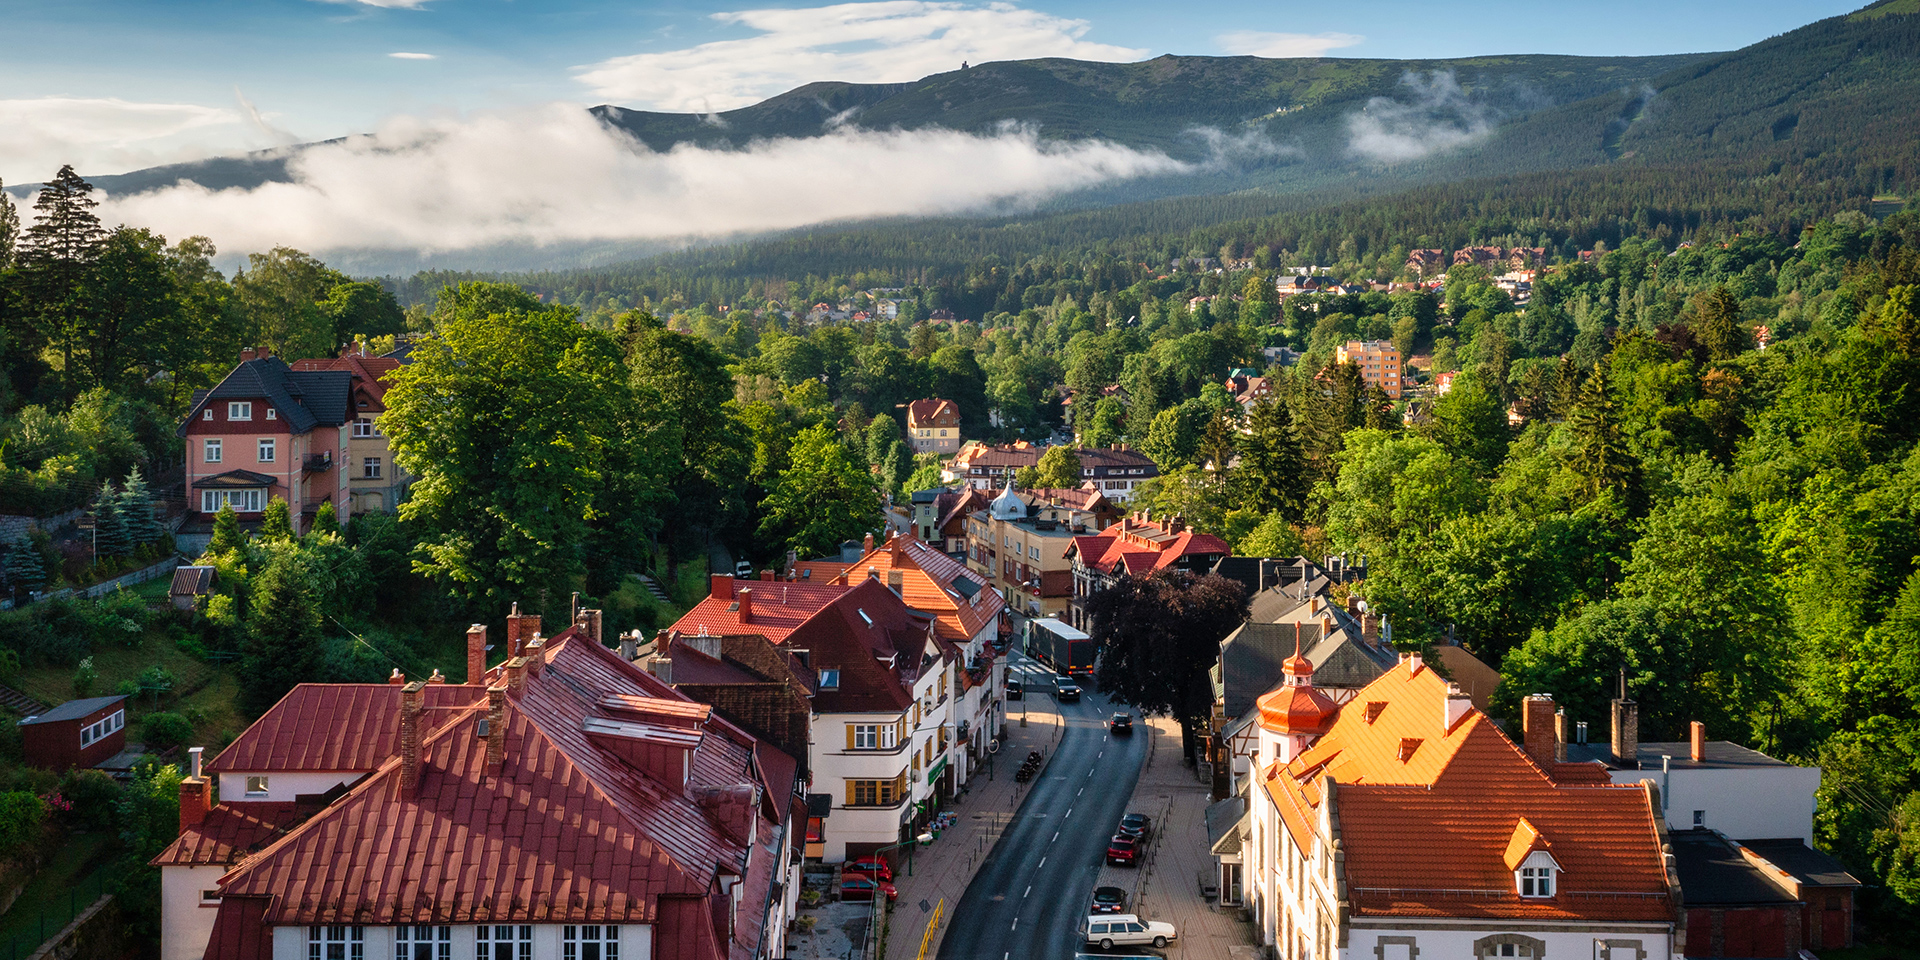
(1140, 546)
(231, 831)
(777, 607)
(565, 831)
(335, 726)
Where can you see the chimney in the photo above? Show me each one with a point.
(894, 546)
(1626, 734)
(1414, 664)
(746, 604)
(1458, 704)
(521, 627)
(1560, 736)
(249, 353)
(412, 700)
(516, 675)
(630, 646)
(720, 586)
(1538, 721)
(896, 581)
(496, 728)
(573, 608)
(196, 796)
(536, 656)
(398, 678)
(477, 653)
(1697, 733)
(1177, 525)
(867, 543)
(767, 574)
(436, 676)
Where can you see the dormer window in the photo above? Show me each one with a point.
(830, 679)
(1536, 881)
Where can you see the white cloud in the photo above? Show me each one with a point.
(404, 55)
(1254, 43)
(1441, 117)
(109, 135)
(555, 175)
(884, 42)
(383, 4)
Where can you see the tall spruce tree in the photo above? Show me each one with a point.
(136, 511)
(1273, 472)
(227, 535)
(284, 644)
(24, 569)
(109, 528)
(1716, 321)
(1600, 454)
(56, 255)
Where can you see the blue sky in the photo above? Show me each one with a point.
(136, 82)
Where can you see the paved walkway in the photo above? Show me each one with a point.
(943, 868)
(1167, 886)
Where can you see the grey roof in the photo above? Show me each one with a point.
(1809, 866)
(927, 496)
(1294, 577)
(1713, 873)
(1251, 658)
(1223, 824)
(1720, 755)
(303, 398)
(1344, 661)
(73, 709)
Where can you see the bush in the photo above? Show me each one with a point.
(93, 795)
(164, 731)
(84, 677)
(21, 816)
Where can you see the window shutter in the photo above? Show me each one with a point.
(849, 793)
(849, 736)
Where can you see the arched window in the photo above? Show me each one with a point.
(1509, 945)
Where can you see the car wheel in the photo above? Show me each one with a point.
(1106, 944)
(1160, 941)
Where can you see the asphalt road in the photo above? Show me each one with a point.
(1032, 892)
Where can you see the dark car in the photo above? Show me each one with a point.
(1066, 690)
(1123, 851)
(1137, 826)
(1121, 724)
(858, 888)
(1108, 900)
(1014, 690)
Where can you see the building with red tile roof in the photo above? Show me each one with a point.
(1019, 544)
(933, 426)
(1137, 546)
(567, 801)
(1404, 821)
(375, 482)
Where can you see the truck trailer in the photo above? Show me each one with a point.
(1062, 646)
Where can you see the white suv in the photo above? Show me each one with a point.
(1117, 929)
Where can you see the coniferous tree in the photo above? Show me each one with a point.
(136, 511)
(1273, 472)
(326, 519)
(1600, 454)
(9, 227)
(24, 569)
(109, 529)
(277, 522)
(227, 535)
(1717, 323)
(284, 643)
(56, 254)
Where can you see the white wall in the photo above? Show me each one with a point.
(185, 925)
(636, 942)
(1752, 803)
(1362, 942)
(284, 785)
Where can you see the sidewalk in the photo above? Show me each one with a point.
(1167, 887)
(942, 869)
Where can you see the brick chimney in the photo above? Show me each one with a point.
(196, 793)
(413, 698)
(1538, 719)
(249, 353)
(1697, 735)
(746, 604)
(536, 656)
(516, 675)
(521, 627)
(1626, 734)
(867, 543)
(496, 728)
(1561, 730)
(720, 586)
(398, 679)
(1458, 705)
(477, 653)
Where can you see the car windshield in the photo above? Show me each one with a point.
(1109, 895)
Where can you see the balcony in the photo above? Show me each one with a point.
(318, 463)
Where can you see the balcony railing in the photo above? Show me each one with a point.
(319, 462)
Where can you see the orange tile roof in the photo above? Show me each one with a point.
(1429, 831)
(777, 607)
(1142, 546)
(927, 583)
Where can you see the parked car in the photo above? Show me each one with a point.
(1123, 851)
(1136, 825)
(1066, 690)
(743, 570)
(870, 867)
(1125, 929)
(1121, 725)
(1014, 690)
(1109, 900)
(856, 888)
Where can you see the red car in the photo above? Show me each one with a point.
(1123, 851)
(874, 868)
(855, 888)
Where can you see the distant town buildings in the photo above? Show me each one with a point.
(933, 426)
(1115, 471)
(1019, 543)
(1378, 360)
(1136, 546)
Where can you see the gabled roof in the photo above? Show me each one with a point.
(876, 642)
(777, 606)
(191, 581)
(335, 727)
(925, 411)
(1139, 546)
(932, 582)
(231, 832)
(304, 400)
(369, 378)
(1428, 814)
(565, 830)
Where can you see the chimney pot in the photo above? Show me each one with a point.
(193, 757)
(1626, 734)
(398, 678)
(1697, 734)
(1538, 720)
(436, 676)
(1560, 736)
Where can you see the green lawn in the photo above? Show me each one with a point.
(202, 690)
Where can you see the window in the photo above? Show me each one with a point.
(1535, 882)
(370, 468)
(269, 449)
(363, 427)
(93, 732)
(210, 896)
(503, 942)
(943, 433)
(273, 414)
(866, 736)
(1699, 819)
(830, 679)
(589, 943)
(215, 450)
(1033, 553)
(240, 411)
(890, 736)
(245, 500)
(336, 942)
(206, 414)
(423, 943)
(871, 793)
(256, 786)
